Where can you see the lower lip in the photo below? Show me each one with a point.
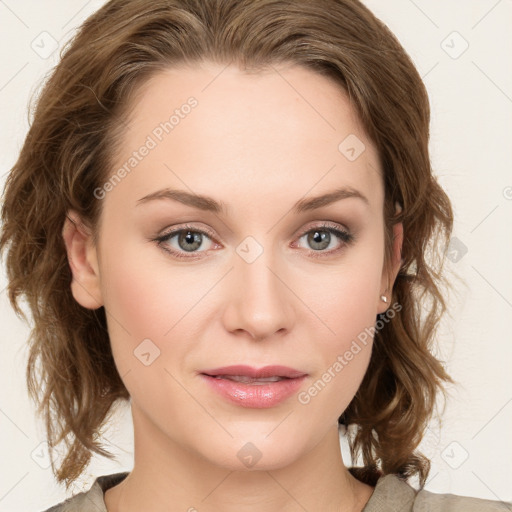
(257, 396)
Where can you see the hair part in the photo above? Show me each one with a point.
(77, 128)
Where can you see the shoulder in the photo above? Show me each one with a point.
(92, 499)
(393, 493)
(428, 501)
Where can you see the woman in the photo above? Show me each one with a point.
(220, 214)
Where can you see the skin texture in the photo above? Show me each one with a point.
(258, 143)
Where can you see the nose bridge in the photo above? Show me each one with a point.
(260, 302)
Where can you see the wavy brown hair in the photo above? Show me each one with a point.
(75, 128)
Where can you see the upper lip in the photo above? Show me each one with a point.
(249, 371)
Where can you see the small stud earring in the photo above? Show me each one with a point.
(383, 298)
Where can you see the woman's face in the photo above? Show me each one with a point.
(259, 280)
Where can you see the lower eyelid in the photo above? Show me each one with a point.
(345, 237)
(166, 237)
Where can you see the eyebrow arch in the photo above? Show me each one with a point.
(194, 200)
(207, 203)
(314, 203)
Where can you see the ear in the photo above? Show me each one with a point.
(83, 261)
(389, 275)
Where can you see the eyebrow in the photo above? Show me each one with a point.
(209, 204)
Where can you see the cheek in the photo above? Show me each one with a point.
(344, 304)
(144, 293)
(147, 313)
(346, 300)
(346, 293)
(137, 303)
(142, 307)
(152, 303)
(342, 349)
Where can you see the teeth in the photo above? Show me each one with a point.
(249, 380)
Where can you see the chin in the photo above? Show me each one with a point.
(258, 452)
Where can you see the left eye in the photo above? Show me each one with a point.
(320, 238)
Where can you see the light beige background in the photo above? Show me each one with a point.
(471, 134)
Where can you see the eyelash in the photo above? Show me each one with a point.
(347, 238)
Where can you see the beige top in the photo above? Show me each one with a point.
(390, 495)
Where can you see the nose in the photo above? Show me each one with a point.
(259, 304)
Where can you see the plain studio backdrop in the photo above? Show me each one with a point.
(463, 51)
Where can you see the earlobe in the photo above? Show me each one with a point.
(83, 262)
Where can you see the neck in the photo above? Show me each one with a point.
(166, 474)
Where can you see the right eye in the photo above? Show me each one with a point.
(185, 239)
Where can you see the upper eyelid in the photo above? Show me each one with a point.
(326, 225)
(171, 233)
(302, 232)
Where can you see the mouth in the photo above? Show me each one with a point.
(249, 380)
(266, 373)
(252, 387)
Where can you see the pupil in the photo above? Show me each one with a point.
(321, 238)
(190, 238)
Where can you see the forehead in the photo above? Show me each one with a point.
(216, 128)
